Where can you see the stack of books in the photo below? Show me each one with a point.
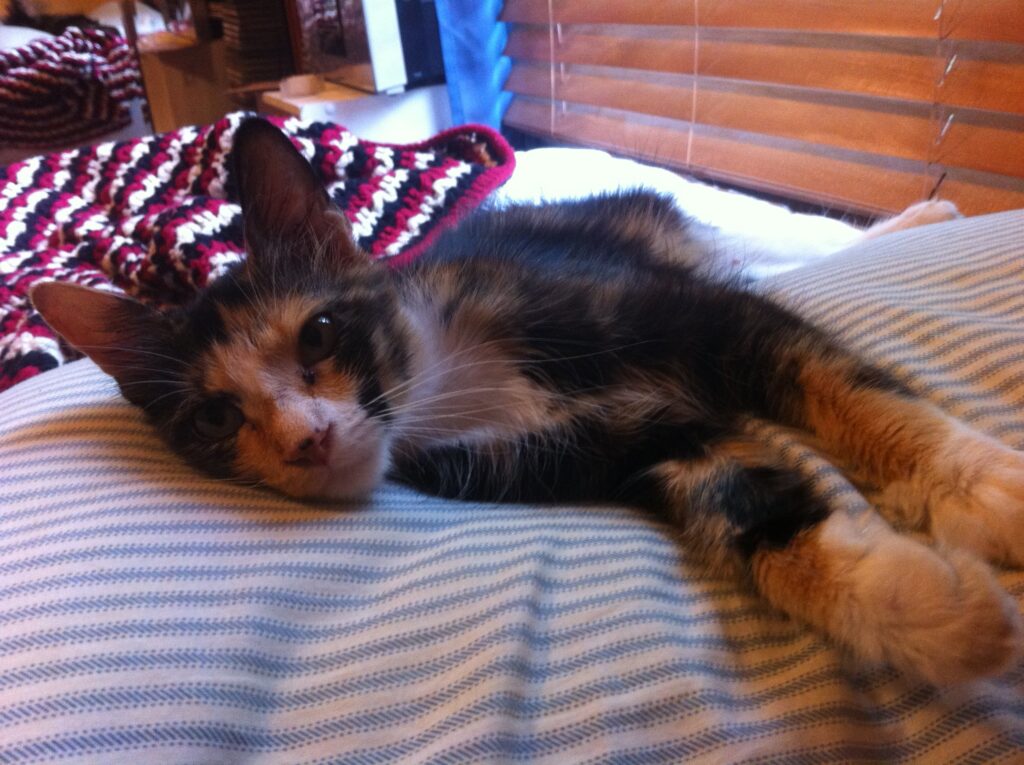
(256, 37)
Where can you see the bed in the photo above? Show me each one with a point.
(151, 614)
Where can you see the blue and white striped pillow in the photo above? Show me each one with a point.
(151, 614)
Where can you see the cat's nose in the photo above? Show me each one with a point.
(314, 449)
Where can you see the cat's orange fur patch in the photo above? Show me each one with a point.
(937, 615)
(708, 535)
(882, 436)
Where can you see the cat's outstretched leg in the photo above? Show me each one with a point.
(919, 214)
(941, 616)
(935, 474)
(968, 494)
(938, 615)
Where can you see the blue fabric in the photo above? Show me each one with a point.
(472, 40)
(151, 615)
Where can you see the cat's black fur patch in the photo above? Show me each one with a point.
(580, 461)
(724, 346)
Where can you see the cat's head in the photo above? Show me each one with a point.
(280, 371)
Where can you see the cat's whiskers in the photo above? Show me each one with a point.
(445, 396)
(151, 404)
(174, 377)
(320, 246)
(462, 414)
(557, 446)
(445, 358)
(438, 368)
(245, 483)
(441, 368)
(133, 351)
(172, 383)
(177, 374)
(460, 394)
(648, 409)
(471, 391)
(253, 295)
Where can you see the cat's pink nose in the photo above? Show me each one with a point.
(312, 450)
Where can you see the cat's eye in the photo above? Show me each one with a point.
(218, 418)
(317, 339)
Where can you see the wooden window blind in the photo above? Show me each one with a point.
(863, 105)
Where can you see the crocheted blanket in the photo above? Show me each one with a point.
(68, 89)
(155, 217)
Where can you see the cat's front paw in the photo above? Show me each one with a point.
(937, 614)
(948, 620)
(981, 506)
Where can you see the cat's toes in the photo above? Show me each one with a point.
(944, 618)
(920, 214)
(984, 513)
(930, 211)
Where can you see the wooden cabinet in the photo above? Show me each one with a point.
(185, 79)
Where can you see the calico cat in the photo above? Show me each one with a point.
(573, 352)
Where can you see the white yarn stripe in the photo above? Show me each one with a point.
(150, 614)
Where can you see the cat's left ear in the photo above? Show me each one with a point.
(125, 338)
(283, 202)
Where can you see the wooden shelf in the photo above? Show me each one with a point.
(307, 107)
(165, 42)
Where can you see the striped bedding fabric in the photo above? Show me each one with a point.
(152, 615)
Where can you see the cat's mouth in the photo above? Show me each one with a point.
(333, 468)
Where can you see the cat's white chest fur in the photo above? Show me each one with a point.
(464, 387)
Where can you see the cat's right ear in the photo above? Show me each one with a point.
(282, 199)
(120, 334)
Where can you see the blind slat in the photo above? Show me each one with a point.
(855, 129)
(812, 177)
(978, 198)
(895, 95)
(809, 175)
(972, 83)
(846, 126)
(994, 20)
